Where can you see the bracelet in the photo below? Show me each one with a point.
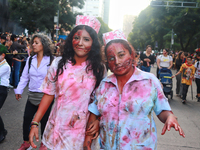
(34, 123)
(33, 126)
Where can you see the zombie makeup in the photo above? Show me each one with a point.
(82, 43)
(119, 59)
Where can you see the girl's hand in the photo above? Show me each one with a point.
(172, 122)
(33, 132)
(18, 96)
(93, 129)
(173, 76)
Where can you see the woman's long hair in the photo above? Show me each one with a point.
(47, 44)
(94, 56)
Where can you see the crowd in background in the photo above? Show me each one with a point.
(18, 50)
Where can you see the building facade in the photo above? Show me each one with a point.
(97, 8)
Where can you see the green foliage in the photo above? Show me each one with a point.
(104, 28)
(39, 14)
(156, 23)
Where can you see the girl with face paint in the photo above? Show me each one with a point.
(125, 101)
(72, 78)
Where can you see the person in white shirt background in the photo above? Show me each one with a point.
(164, 60)
(4, 83)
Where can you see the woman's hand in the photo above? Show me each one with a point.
(147, 60)
(33, 132)
(172, 122)
(93, 129)
(18, 96)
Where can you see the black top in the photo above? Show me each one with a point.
(143, 56)
(178, 64)
(19, 48)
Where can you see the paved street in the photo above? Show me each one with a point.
(188, 117)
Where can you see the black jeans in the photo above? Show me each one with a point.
(197, 80)
(185, 90)
(29, 113)
(3, 95)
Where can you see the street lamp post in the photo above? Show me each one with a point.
(57, 27)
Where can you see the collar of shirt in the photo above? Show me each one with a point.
(137, 75)
(3, 62)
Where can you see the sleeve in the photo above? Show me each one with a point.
(49, 85)
(170, 58)
(142, 56)
(195, 65)
(93, 107)
(152, 59)
(24, 79)
(161, 102)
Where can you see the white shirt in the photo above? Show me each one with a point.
(197, 73)
(4, 73)
(165, 61)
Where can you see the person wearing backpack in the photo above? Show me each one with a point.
(197, 75)
(33, 74)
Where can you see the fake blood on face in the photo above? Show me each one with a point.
(119, 59)
(81, 43)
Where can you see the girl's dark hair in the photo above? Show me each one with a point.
(94, 56)
(179, 55)
(48, 46)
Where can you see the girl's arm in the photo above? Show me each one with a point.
(44, 105)
(158, 63)
(176, 74)
(170, 120)
(92, 131)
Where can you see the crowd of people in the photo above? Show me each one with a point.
(72, 97)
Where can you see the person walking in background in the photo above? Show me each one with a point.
(164, 60)
(188, 71)
(34, 72)
(4, 83)
(17, 59)
(197, 75)
(178, 63)
(147, 59)
(72, 78)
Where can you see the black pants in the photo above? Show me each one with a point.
(185, 90)
(197, 80)
(3, 95)
(29, 113)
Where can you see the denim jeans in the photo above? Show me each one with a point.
(16, 67)
(147, 69)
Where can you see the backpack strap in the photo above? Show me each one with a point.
(29, 63)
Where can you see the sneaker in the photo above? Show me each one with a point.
(42, 147)
(183, 101)
(3, 135)
(25, 146)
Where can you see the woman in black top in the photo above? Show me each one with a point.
(178, 63)
(147, 59)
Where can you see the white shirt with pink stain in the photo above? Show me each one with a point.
(66, 126)
(127, 119)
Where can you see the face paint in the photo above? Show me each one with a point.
(119, 59)
(82, 43)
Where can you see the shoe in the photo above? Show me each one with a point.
(198, 100)
(25, 146)
(3, 135)
(42, 147)
(178, 95)
(183, 101)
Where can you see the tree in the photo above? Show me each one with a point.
(39, 14)
(155, 23)
(104, 28)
